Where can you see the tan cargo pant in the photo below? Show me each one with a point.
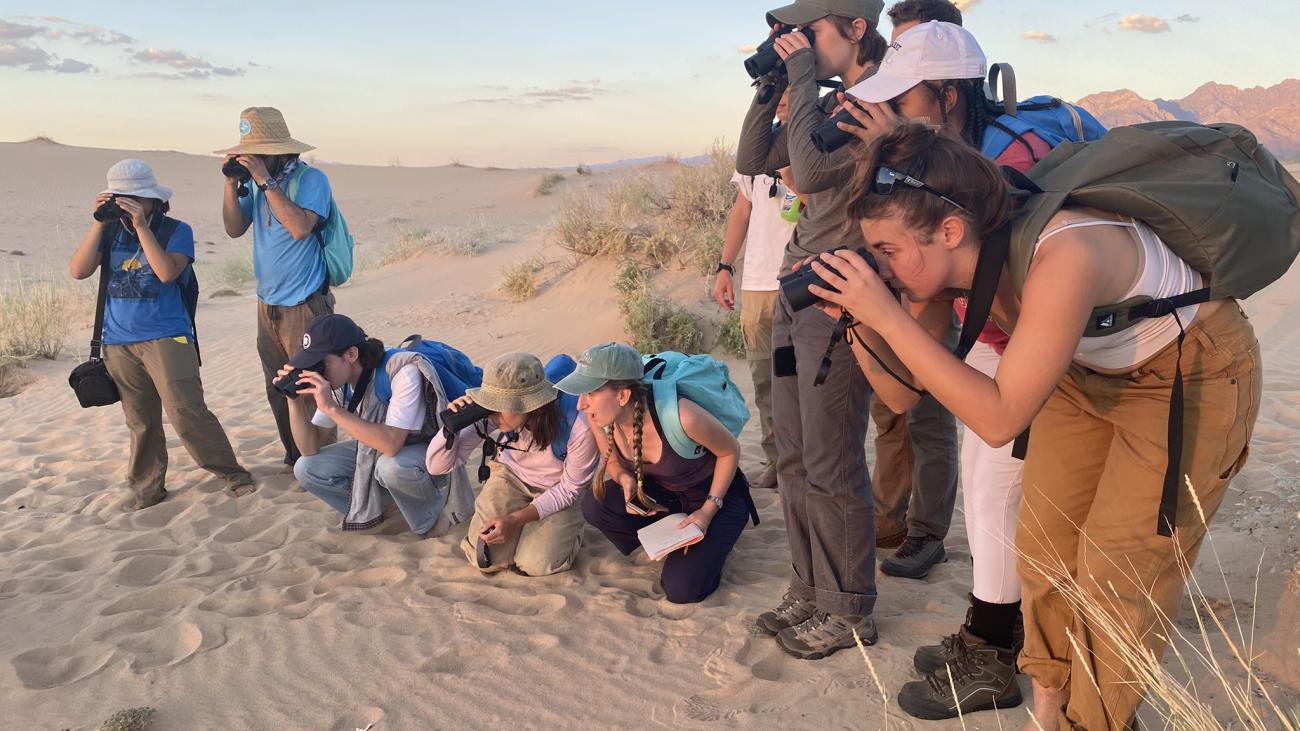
(279, 338)
(159, 375)
(756, 326)
(1092, 483)
(541, 548)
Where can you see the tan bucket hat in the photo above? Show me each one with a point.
(514, 382)
(262, 131)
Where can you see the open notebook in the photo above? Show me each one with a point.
(662, 537)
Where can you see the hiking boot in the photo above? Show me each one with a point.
(915, 558)
(148, 500)
(983, 677)
(932, 658)
(767, 480)
(824, 634)
(790, 612)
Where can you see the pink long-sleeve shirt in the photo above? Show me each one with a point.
(562, 480)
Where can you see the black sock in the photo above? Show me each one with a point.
(993, 623)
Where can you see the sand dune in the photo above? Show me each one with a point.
(256, 613)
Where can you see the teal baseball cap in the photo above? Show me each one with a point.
(601, 364)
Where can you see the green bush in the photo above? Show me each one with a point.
(731, 339)
(518, 282)
(547, 184)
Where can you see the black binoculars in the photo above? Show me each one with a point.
(289, 385)
(765, 59)
(109, 211)
(795, 284)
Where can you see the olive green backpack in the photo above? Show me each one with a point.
(1212, 193)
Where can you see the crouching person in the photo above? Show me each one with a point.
(526, 514)
(386, 400)
(645, 471)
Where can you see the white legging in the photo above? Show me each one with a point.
(990, 488)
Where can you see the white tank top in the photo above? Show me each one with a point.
(1160, 274)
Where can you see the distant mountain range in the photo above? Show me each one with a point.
(1272, 113)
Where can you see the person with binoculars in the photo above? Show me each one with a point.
(820, 423)
(527, 513)
(288, 262)
(382, 466)
(148, 331)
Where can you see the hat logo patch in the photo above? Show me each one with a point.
(245, 127)
(306, 340)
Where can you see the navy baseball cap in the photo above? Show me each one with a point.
(327, 334)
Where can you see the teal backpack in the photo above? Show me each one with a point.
(332, 233)
(702, 379)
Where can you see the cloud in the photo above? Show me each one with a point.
(16, 54)
(1189, 18)
(1039, 36)
(577, 91)
(964, 5)
(747, 49)
(1140, 23)
(186, 66)
(56, 28)
(17, 31)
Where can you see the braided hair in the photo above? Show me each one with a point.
(981, 112)
(638, 423)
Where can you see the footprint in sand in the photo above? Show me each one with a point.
(468, 603)
(52, 667)
(646, 608)
(163, 600)
(141, 570)
(245, 528)
(371, 578)
(170, 645)
(158, 515)
(464, 660)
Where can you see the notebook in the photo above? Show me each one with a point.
(662, 537)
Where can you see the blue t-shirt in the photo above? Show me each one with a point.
(288, 271)
(140, 306)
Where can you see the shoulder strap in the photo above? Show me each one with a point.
(105, 262)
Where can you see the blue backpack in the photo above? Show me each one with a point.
(702, 379)
(1053, 120)
(557, 368)
(332, 232)
(457, 373)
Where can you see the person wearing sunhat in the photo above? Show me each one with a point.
(526, 515)
(821, 429)
(288, 262)
(381, 469)
(648, 480)
(148, 333)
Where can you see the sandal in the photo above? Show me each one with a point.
(243, 490)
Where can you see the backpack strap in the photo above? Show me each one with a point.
(1008, 76)
(101, 300)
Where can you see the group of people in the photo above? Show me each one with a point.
(919, 191)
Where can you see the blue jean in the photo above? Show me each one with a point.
(419, 495)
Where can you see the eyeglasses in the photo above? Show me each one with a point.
(887, 178)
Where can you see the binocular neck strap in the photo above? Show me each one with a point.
(359, 391)
(841, 328)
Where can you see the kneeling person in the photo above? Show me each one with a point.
(526, 514)
(383, 463)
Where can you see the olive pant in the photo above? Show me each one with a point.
(756, 310)
(279, 338)
(158, 375)
(1092, 484)
(541, 548)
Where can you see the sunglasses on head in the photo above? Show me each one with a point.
(887, 178)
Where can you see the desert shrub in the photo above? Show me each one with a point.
(518, 281)
(731, 339)
(547, 184)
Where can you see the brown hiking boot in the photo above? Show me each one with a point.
(982, 677)
(790, 612)
(824, 634)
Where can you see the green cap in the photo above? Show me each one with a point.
(601, 364)
(803, 12)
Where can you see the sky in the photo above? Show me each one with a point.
(526, 83)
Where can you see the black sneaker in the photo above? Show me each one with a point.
(915, 558)
(790, 612)
(982, 677)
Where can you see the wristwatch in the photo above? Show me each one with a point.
(270, 183)
(717, 501)
(722, 265)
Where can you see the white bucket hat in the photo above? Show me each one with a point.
(135, 178)
(932, 51)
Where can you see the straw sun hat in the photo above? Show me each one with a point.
(262, 131)
(514, 382)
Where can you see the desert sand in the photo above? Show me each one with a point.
(258, 613)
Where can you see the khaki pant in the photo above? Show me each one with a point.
(1092, 484)
(164, 374)
(279, 338)
(756, 326)
(541, 548)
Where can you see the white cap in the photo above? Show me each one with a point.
(135, 178)
(932, 51)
